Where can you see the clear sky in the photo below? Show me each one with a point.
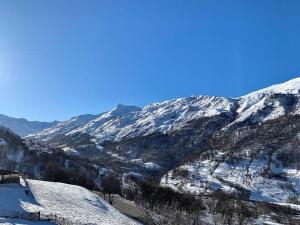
(62, 58)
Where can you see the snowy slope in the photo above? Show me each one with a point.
(13, 199)
(259, 162)
(23, 127)
(289, 87)
(71, 202)
(206, 176)
(263, 99)
(74, 203)
(129, 121)
(64, 127)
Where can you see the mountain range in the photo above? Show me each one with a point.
(23, 127)
(124, 122)
(248, 146)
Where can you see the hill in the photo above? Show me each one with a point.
(57, 200)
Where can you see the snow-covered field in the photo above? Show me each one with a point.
(71, 202)
(13, 199)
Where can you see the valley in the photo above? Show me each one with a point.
(243, 150)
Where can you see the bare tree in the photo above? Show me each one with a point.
(111, 185)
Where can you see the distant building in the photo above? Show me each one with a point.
(7, 176)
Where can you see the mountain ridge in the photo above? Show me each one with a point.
(248, 146)
(129, 121)
(22, 126)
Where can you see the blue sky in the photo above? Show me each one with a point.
(62, 58)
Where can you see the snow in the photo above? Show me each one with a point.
(70, 151)
(23, 127)
(254, 102)
(13, 197)
(206, 176)
(115, 155)
(271, 223)
(290, 205)
(289, 87)
(75, 203)
(64, 126)
(259, 106)
(71, 202)
(151, 166)
(9, 221)
(130, 121)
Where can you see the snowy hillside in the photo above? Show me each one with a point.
(259, 162)
(222, 144)
(71, 202)
(23, 127)
(75, 203)
(289, 87)
(129, 121)
(65, 126)
(272, 101)
(207, 176)
(248, 147)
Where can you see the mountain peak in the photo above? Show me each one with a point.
(288, 87)
(291, 86)
(23, 127)
(123, 109)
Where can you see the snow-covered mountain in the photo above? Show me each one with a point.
(247, 146)
(23, 127)
(271, 102)
(130, 121)
(212, 138)
(256, 155)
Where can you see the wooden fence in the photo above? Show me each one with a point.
(5, 213)
(36, 216)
